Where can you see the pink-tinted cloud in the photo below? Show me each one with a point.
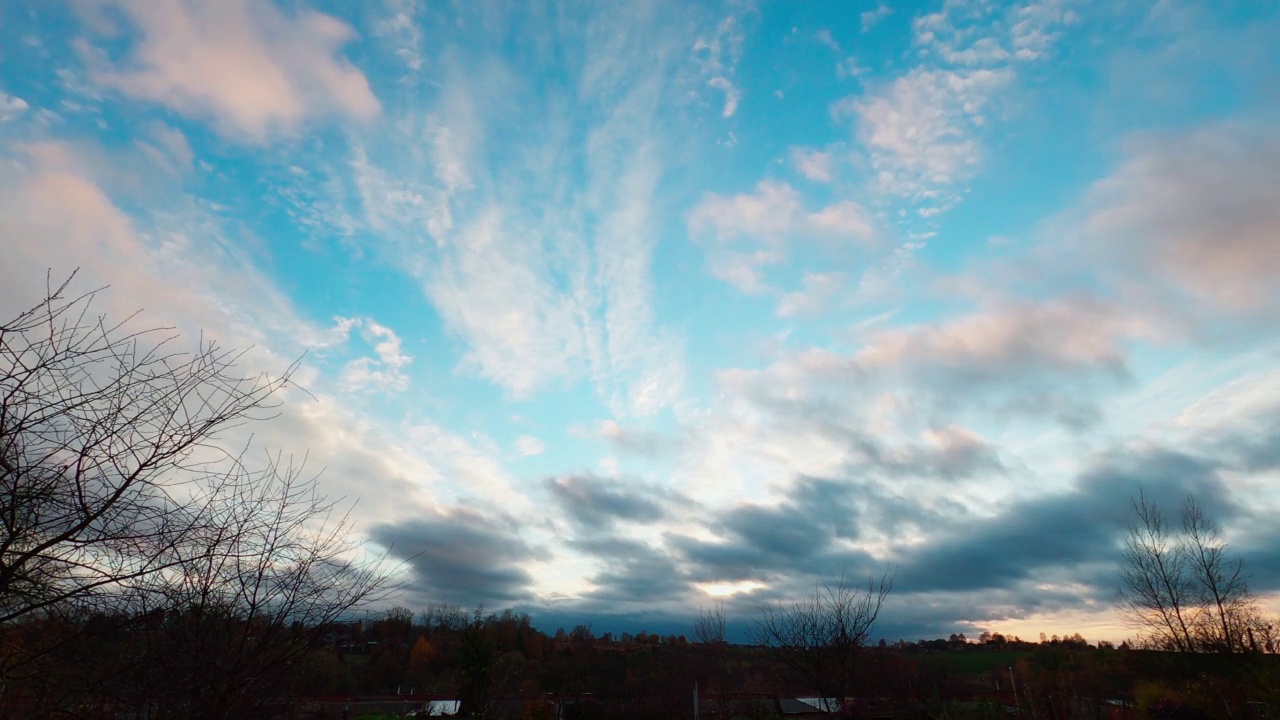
(1199, 213)
(1067, 333)
(250, 68)
(752, 230)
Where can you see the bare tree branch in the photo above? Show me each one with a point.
(821, 637)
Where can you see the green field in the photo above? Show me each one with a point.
(975, 663)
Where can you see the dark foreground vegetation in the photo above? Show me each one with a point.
(500, 666)
(148, 573)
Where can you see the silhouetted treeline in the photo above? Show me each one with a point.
(499, 665)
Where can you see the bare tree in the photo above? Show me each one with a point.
(1221, 587)
(130, 534)
(441, 618)
(260, 598)
(821, 637)
(109, 455)
(709, 632)
(708, 625)
(1183, 588)
(1157, 587)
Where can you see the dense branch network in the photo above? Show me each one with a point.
(126, 519)
(1182, 588)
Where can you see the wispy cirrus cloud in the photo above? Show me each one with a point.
(402, 25)
(547, 283)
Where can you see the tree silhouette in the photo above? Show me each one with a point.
(821, 637)
(1183, 588)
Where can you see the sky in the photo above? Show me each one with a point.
(609, 311)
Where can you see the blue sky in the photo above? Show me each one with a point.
(612, 310)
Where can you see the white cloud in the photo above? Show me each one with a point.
(1007, 339)
(775, 212)
(849, 68)
(401, 26)
(247, 66)
(845, 219)
(731, 94)
(968, 33)
(529, 446)
(175, 145)
(496, 290)
(871, 18)
(917, 390)
(819, 291)
(55, 208)
(813, 164)
(718, 53)
(169, 148)
(752, 230)
(546, 282)
(365, 374)
(385, 372)
(178, 265)
(388, 347)
(920, 130)
(824, 36)
(639, 366)
(11, 106)
(721, 49)
(1038, 25)
(745, 271)
(394, 202)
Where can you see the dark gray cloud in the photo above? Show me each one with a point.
(1261, 556)
(596, 502)
(1253, 444)
(783, 531)
(1042, 555)
(634, 572)
(797, 535)
(945, 450)
(951, 452)
(1045, 554)
(462, 557)
(1068, 531)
